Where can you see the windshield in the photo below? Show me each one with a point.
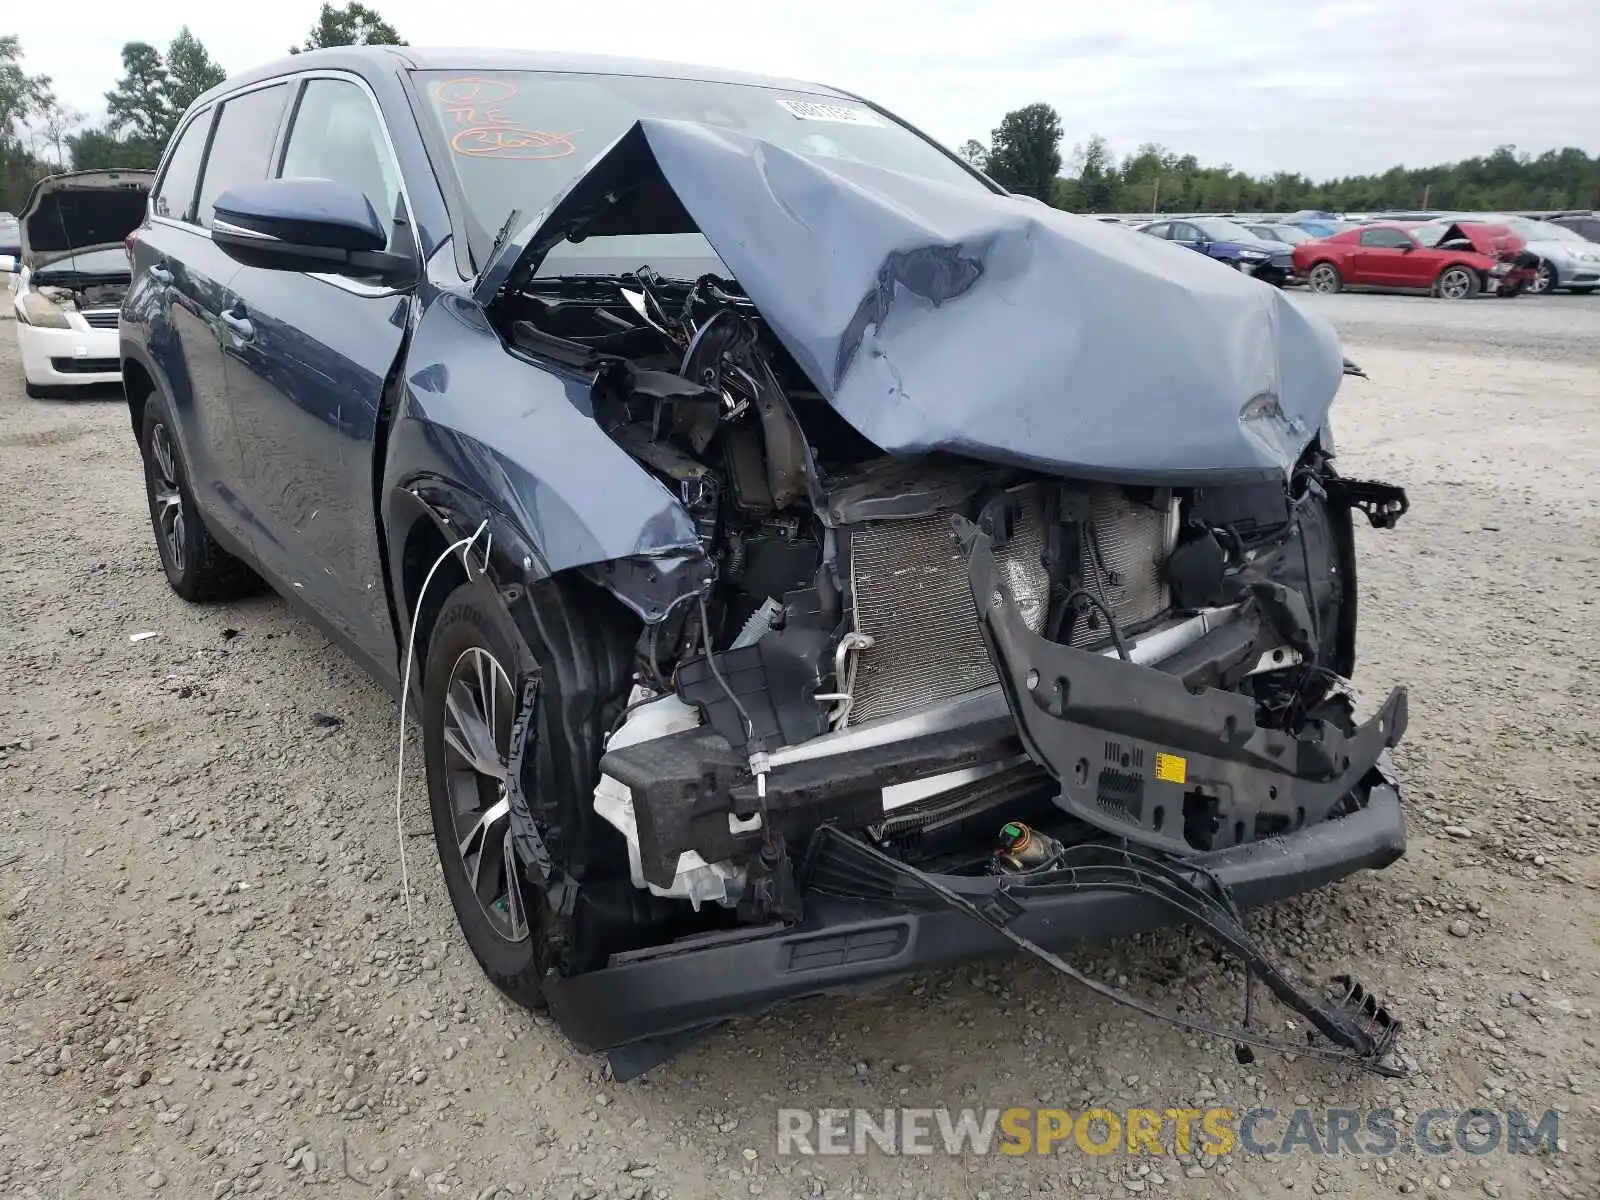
(1429, 235)
(1542, 231)
(1219, 230)
(514, 139)
(1287, 233)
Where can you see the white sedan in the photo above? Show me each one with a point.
(67, 289)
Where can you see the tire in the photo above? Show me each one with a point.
(476, 648)
(198, 569)
(1457, 283)
(1543, 281)
(1324, 279)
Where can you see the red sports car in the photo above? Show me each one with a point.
(1455, 261)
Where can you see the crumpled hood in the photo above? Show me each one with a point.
(82, 210)
(936, 317)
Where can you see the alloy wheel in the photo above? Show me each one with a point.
(1544, 279)
(1322, 278)
(165, 495)
(1455, 284)
(479, 709)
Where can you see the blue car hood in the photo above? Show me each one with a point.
(940, 317)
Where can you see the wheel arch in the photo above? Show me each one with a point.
(137, 386)
(429, 517)
(1477, 272)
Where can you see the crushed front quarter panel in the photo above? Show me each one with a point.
(936, 317)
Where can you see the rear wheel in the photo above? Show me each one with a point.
(1457, 283)
(1325, 278)
(197, 567)
(1543, 281)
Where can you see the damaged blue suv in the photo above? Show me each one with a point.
(807, 562)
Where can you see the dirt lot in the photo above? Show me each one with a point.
(209, 986)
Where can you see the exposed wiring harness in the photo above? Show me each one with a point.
(1361, 1029)
(755, 750)
(463, 545)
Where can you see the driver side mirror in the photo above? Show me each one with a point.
(1406, 247)
(313, 225)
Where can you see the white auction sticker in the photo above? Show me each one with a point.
(817, 110)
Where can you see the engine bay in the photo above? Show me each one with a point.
(839, 601)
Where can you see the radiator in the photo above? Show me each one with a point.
(910, 596)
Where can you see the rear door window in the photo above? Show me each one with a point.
(174, 195)
(241, 151)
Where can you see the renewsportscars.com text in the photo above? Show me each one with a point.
(1374, 1132)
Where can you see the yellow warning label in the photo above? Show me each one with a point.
(1171, 768)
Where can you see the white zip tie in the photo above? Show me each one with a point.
(405, 695)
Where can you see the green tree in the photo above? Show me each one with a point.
(975, 153)
(1025, 151)
(56, 122)
(140, 106)
(96, 150)
(1097, 177)
(21, 94)
(353, 24)
(21, 98)
(191, 71)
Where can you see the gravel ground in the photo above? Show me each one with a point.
(209, 986)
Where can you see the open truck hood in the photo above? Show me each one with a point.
(67, 215)
(940, 318)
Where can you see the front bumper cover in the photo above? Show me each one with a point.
(848, 943)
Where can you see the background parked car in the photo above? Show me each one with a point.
(1230, 243)
(10, 241)
(72, 275)
(1388, 257)
(1319, 227)
(1587, 227)
(1289, 235)
(1497, 241)
(1566, 258)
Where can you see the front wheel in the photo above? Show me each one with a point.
(1325, 278)
(571, 644)
(1544, 280)
(1457, 283)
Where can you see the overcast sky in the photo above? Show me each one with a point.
(1324, 87)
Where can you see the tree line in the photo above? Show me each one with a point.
(1024, 155)
(39, 135)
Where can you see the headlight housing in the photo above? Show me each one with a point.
(1254, 255)
(42, 312)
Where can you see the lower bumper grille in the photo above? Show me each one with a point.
(910, 594)
(86, 366)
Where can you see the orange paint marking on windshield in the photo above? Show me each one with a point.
(512, 141)
(469, 90)
(487, 132)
